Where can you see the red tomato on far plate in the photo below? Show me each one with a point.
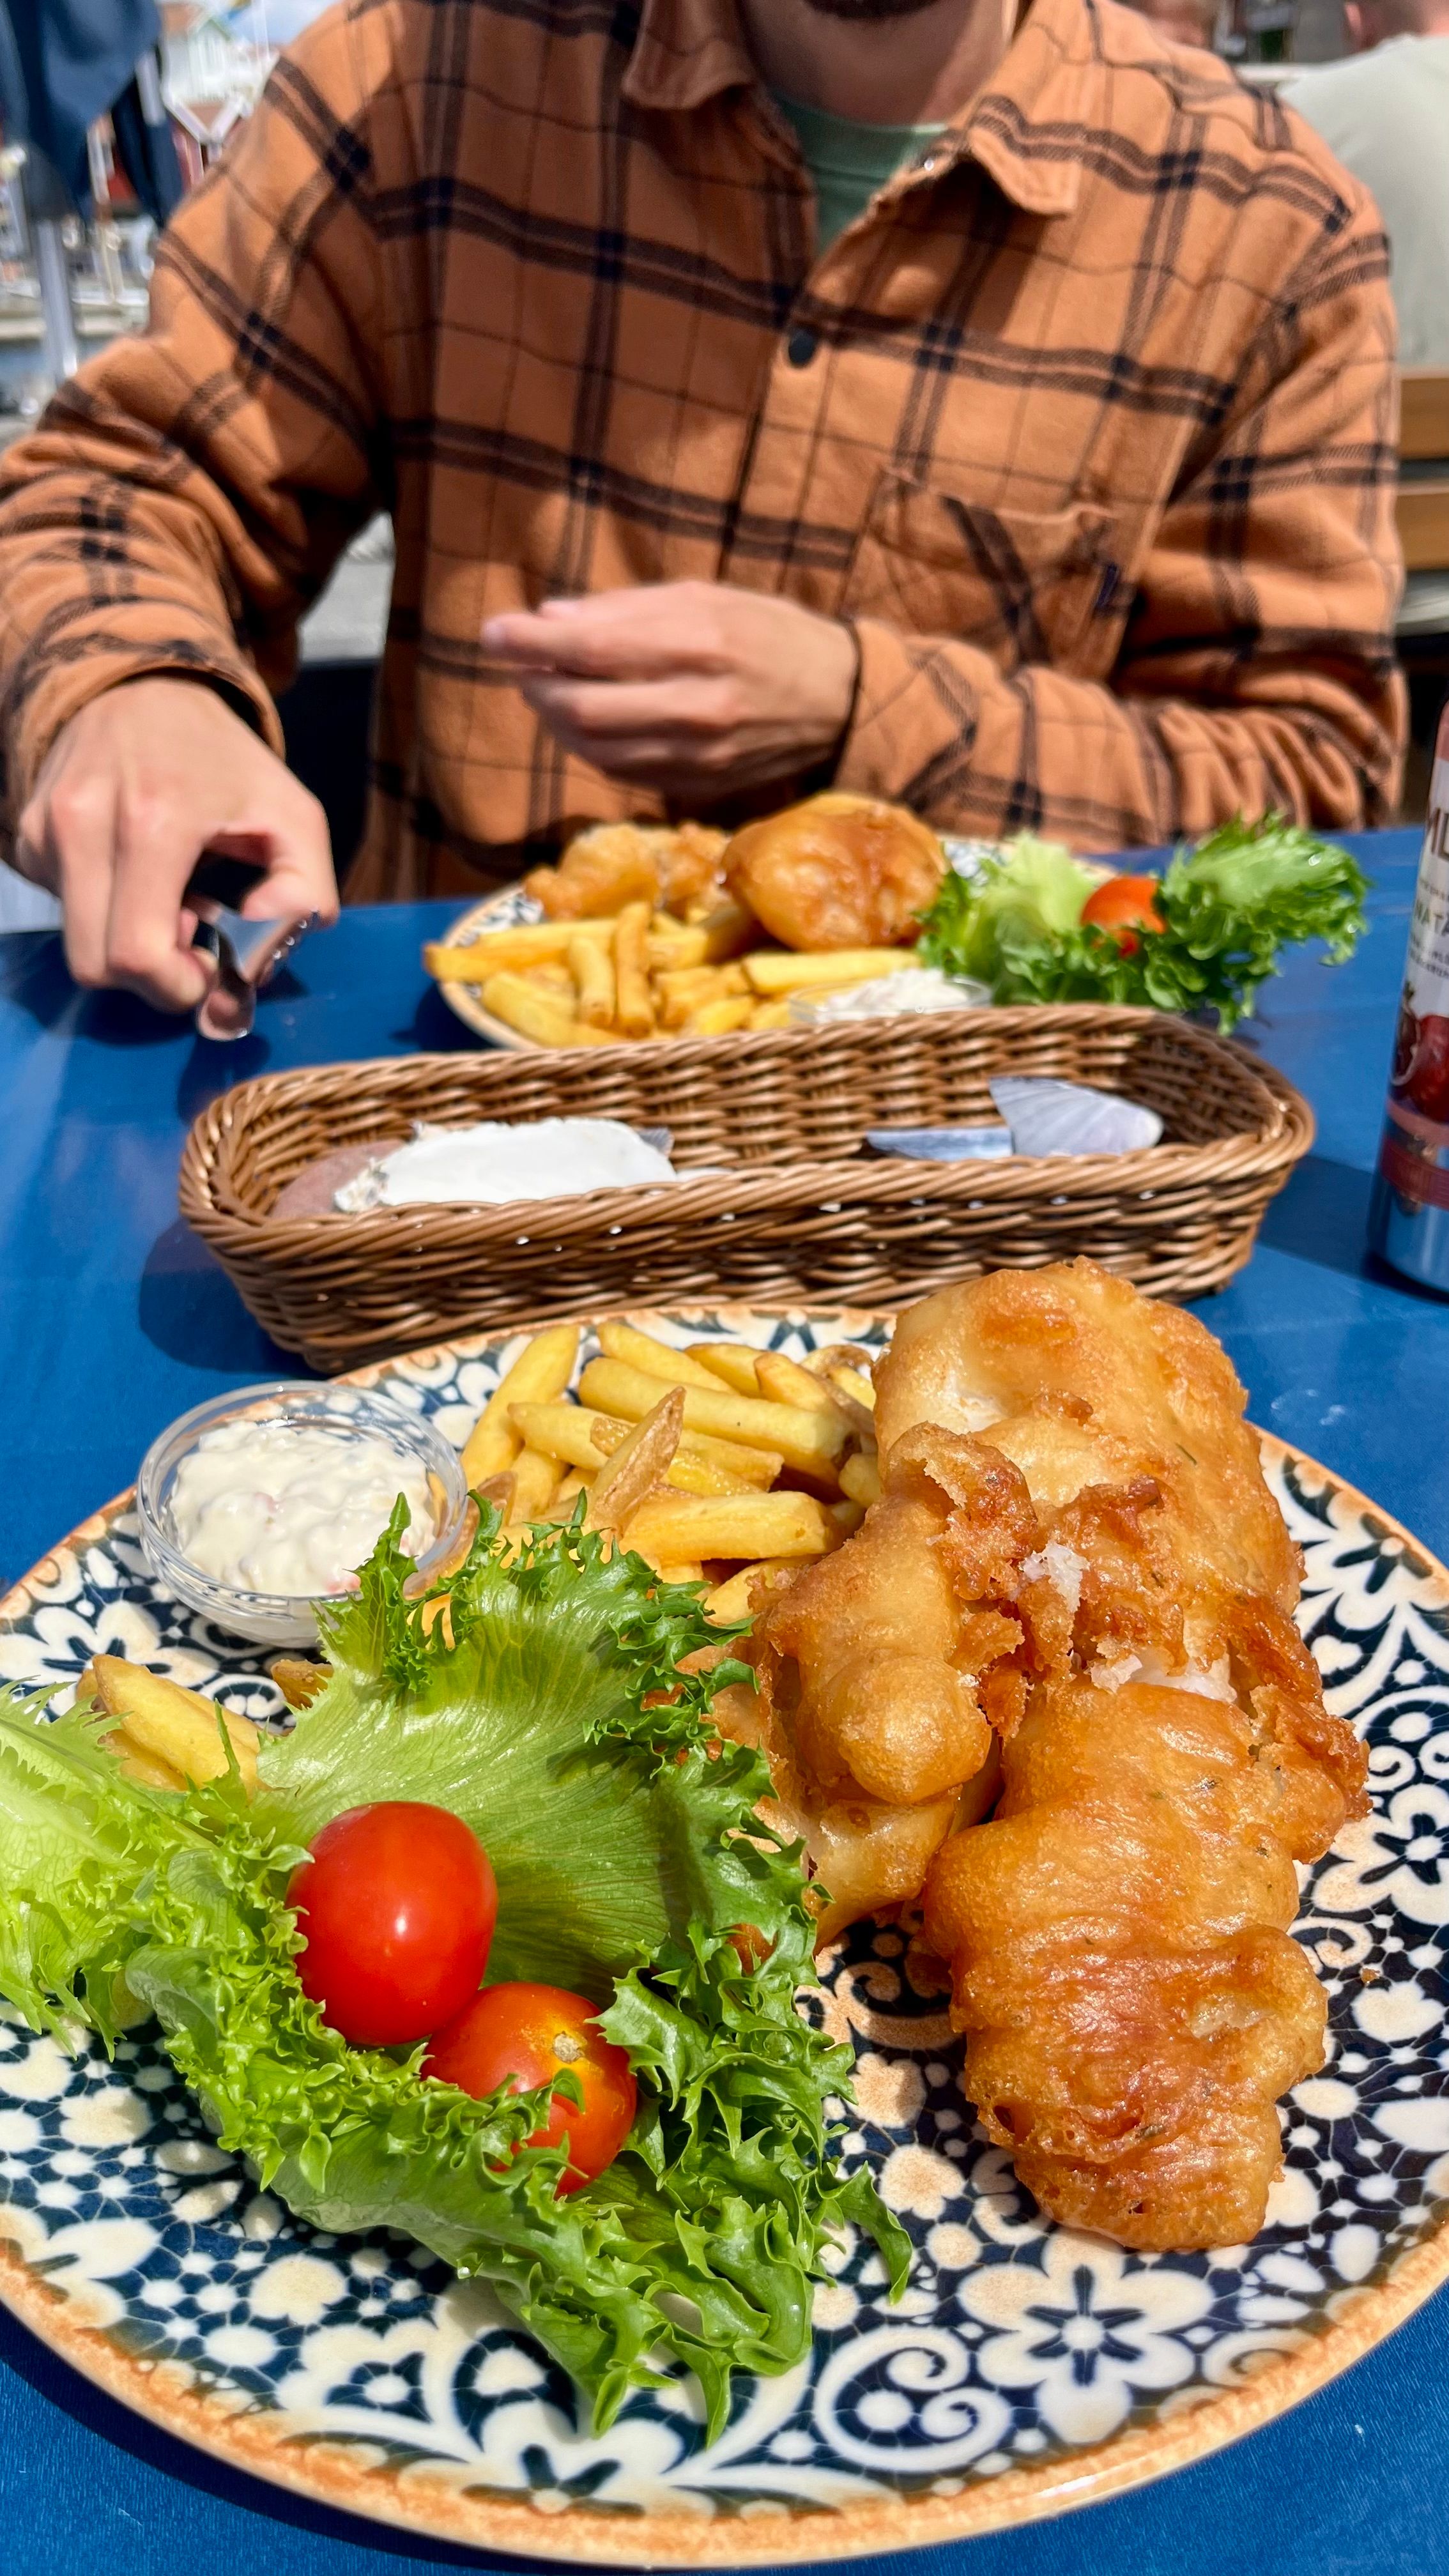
(398, 1904)
(1123, 905)
(533, 2033)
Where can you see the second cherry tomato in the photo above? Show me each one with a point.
(532, 2033)
(397, 1903)
(1124, 905)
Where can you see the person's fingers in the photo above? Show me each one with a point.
(618, 635)
(609, 711)
(79, 856)
(296, 852)
(146, 942)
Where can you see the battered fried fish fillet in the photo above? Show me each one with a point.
(1120, 1956)
(1086, 1383)
(875, 1671)
(676, 868)
(837, 872)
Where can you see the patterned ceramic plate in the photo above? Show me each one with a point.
(1027, 2368)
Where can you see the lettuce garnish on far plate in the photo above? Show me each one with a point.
(627, 1850)
(1228, 909)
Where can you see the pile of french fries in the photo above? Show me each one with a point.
(643, 974)
(718, 1463)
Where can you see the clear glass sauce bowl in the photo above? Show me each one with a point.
(347, 1414)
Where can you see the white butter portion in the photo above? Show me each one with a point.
(495, 1162)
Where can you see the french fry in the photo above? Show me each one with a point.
(770, 1015)
(178, 1727)
(680, 1573)
(784, 1381)
(808, 1442)
(571, 1432)
(670, 1528)
(536, 1013)
(841, 1365)
(641, 1461)
(554, 976)
(633, 1003)
(540, 1373)
(534, 1480)
(591, 965)
(728, 929)
(731, 1362)
(678, 947)
(523, 945)
(298, 1681)
(655, 1358)
(860, 1478)
(783, 970)
(720, 1019)
(148, 1768)
(745, 1593)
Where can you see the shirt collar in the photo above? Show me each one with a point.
(1027, 128)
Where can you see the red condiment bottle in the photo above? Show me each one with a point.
(1409, 1217)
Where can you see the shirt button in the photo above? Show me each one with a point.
(801, 346)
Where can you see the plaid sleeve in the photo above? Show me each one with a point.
(185, 495)
(1256, 667)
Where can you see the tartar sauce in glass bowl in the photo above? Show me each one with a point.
(260, 1503)
(282, 1507)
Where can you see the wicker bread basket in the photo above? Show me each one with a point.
(802, 1215)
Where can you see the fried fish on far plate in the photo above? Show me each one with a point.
(1076, 1562)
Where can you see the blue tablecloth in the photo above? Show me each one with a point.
(113, 1319)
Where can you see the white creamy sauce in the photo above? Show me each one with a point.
(492, 1163)
(287, 1507)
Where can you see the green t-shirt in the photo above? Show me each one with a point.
(849, 161)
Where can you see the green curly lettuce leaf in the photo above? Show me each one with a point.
(1229, 909)
(627, 1849)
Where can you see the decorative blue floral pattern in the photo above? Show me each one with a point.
(1014, 2341)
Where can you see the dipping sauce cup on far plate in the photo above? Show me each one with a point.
(257, 1503)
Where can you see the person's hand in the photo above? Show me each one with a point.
(134, 788)
(688, 687)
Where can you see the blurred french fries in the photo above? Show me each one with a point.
(167, 1735)
(633, 1000)
(538, 1012)
(786, 970)
(640, 973)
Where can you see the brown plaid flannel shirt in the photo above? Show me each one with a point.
(1087, 425)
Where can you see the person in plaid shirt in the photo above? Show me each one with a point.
(765, 392)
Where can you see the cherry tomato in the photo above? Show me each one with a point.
(1124, 905)
(532, 2033)
(398, 1904)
